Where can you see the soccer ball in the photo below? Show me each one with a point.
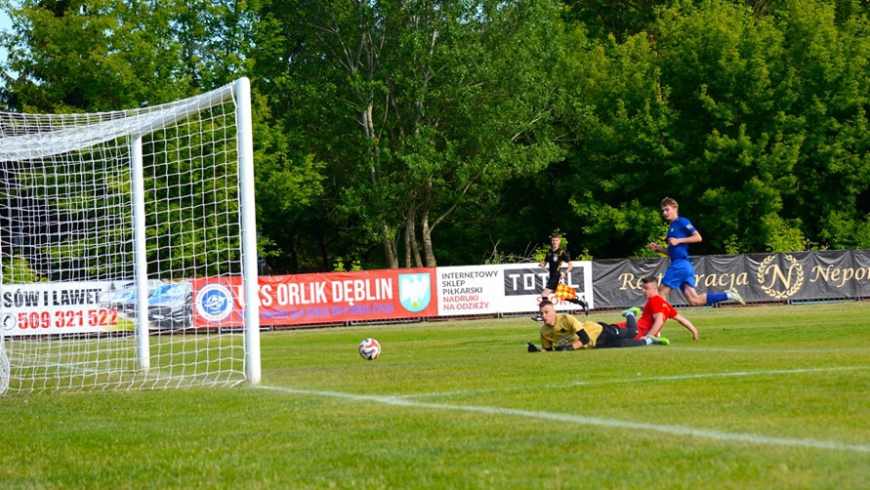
(369, 349)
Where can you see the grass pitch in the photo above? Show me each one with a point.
(770, 397)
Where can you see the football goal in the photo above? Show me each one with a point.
(128, 247)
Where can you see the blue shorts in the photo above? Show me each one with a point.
(680, 273)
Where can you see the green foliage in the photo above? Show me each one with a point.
(338, 265)
(780, 236)
(477, 122)
(733, 246)
(730, 110)
(584, 255)
(114, 54)
(16, 270)
(540, 253)
(429, 122)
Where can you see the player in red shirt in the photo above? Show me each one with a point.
(657, 311)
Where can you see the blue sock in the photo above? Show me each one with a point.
(716, 297)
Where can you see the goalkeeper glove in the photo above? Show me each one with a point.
(565, 347)
(532, 348)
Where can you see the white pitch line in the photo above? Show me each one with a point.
(728, 374)
(649, 379)
(590, 421)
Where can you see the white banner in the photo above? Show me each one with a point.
(504, 288)
(53, 308)
(472, 290)
(523, 284)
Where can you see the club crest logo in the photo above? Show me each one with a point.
(780, 281)
(214, 302)
(414, 291)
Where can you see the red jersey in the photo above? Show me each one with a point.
(654, 305)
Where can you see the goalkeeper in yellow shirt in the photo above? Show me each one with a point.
(565, 332)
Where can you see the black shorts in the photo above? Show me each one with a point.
(553, 281)
(629, 331)
(613, 336)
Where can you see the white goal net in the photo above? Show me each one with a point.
(128, 247)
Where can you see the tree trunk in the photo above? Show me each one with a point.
(427, 240)
(408, 243)
(413, 246)
(390, 252)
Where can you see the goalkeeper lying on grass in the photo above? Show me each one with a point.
(565, 332)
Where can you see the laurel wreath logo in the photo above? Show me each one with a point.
(795, 285)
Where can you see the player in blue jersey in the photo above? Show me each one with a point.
(681, 272)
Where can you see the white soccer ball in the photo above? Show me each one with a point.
(369, 349)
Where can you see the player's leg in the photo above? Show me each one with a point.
(621, 342)
(664, 291)
(630, 330)
(619, 335)
(552, 283)
(681, 275)
(693, 297)
(703, 299)
(678, 274)
(582, 303)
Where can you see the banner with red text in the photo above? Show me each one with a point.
(338, 297)
(55, 308)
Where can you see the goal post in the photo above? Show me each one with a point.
(110, 223)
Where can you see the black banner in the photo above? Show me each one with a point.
(533, 280)
(760, 278)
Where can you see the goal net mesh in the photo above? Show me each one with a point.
(73, 316)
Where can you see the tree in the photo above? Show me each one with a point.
(73, 56)
(751, 116)
(418, 108)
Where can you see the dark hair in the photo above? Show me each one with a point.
(649, 279)
(544, 302)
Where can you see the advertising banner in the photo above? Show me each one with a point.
(53, 308)
(397, 294)
(617, 282)
(472, 290)
(339, 297)
(759, 278)
(523, 284)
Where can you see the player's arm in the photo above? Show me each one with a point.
(546, 345)
(695, 237)
(686, 323)
(658, 323)
(582, 335)
(568, 270)
(583, 339)
(655, 247)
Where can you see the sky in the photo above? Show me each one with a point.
(5, 24)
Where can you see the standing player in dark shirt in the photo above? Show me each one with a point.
(554, 260)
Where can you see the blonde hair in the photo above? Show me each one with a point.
(670, 201)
